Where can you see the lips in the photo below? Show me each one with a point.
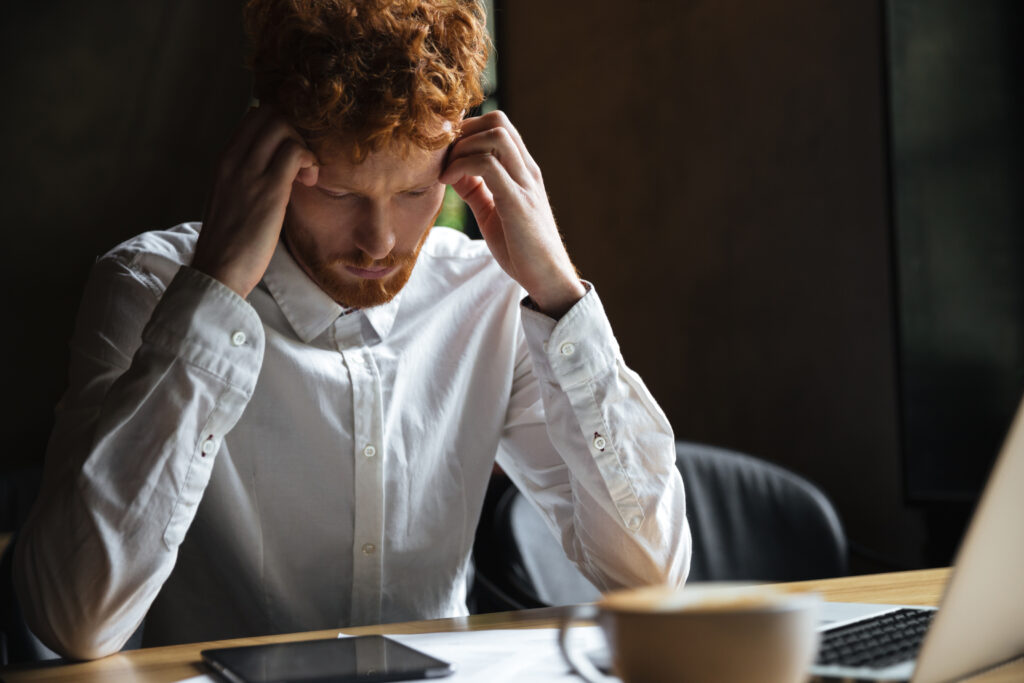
(370, 273)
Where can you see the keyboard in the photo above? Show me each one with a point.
(876, 642)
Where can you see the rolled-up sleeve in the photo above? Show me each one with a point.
(157, 379)
(586, 441)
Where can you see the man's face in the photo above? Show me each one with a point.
(358, 230)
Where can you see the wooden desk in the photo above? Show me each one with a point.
(176, 662)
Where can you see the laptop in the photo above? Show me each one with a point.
(980, 621)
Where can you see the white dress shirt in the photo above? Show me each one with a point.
(226, 467)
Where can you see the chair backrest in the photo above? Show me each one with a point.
(501, 580)
(553, 577)
(750, 520)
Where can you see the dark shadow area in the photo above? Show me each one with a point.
(957, 161)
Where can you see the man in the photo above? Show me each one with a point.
(285, 419)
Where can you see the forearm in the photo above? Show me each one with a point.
(126, 469)
(611, 485)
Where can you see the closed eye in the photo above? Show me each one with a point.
(334, 195)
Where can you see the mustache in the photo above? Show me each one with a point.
(364, 261)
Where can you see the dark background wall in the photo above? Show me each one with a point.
(113, 116)
(958, 160)
(719, 170)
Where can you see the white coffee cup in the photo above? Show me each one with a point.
(702, 633)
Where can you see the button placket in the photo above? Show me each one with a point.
(368, 531)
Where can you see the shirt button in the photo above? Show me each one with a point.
(238, 338)
(209, 446)
(600, 443)
(369, 549)
(634, 523)
(567, 349)
(369, 451)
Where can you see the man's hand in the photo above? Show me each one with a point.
(250, 194)
(490, 168)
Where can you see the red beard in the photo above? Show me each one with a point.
(350, 291)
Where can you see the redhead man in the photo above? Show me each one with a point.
(284, 418)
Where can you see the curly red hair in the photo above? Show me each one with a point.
(355, 76)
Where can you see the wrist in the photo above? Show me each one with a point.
(556, 301)
(226, 276)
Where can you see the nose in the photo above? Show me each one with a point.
(375, 236)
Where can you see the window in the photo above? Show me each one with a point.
(454, 212)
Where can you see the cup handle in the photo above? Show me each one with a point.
(577, 661)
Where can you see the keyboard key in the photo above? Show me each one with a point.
(876, 642)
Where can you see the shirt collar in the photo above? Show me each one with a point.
(308, 309)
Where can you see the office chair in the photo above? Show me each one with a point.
(750, 520)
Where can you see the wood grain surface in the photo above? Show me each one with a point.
(176, 662)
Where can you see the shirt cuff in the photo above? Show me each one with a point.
(207, 324)
(574, 349)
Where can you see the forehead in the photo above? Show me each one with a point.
(383, 171)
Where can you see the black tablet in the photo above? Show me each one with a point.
(364, 658)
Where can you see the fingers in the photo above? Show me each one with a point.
(483, 166)
(253, 121)
(275, 135)
(480, 201)
(498, 119)
(258, 145)
(498, 143)
(291, 158)
(474, 192)
(489, 147)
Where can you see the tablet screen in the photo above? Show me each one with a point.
(363, 658)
